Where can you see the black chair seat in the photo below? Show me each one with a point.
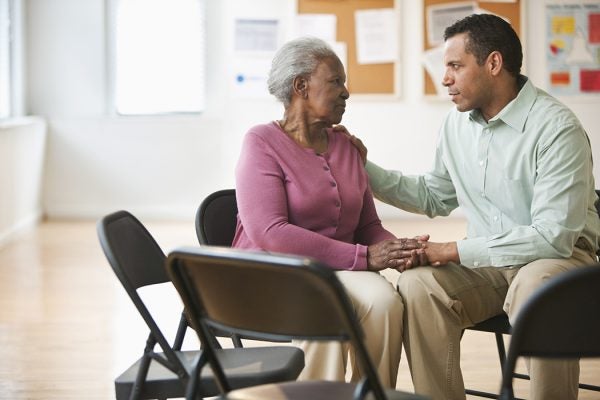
(497, 324)
(242, 367)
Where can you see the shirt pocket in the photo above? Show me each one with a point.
(512, 199)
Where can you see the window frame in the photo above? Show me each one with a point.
(7, 86)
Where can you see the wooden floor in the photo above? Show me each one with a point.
(67, 328)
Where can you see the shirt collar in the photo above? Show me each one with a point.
(515, 113)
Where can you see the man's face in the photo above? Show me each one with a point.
(468, 83)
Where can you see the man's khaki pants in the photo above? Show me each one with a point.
(441, 301)
(379, 309)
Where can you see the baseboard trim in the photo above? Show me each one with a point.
(24, 224)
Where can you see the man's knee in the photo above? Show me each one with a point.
(529, 279)
(416, 284)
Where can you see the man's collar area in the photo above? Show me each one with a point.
(515, 113)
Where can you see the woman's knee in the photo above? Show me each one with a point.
(374, 295)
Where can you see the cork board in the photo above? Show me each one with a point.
(362, 78)
(510, 10)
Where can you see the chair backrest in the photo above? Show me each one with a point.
(132, 252)
(561, 320)
(216, 218)
(269, 295)
(138, 261)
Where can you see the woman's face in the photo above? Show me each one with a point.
(326, 92)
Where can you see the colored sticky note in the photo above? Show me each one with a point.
(594, 28)
(563, 25)
(560, 78)
(589, 80)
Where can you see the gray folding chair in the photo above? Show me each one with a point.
(138, 261)
(274, 296)
(561, 320)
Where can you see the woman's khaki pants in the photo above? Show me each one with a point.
(379, 309)
(441, 301)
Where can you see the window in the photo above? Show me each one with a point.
(6, 48)
(158, 58)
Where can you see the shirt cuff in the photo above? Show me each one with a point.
(360, 258)
(473, 253)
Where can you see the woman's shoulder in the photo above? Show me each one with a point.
(263, 130)
(341, 142)
(266, 138)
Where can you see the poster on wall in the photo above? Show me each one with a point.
(254, 43)
(573, 47)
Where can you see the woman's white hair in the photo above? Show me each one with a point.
(295, 58)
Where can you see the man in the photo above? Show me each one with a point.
(519, 165)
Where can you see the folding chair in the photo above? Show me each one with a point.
(499, 325)
(561, 320)
(215, 222)
(138, 261)
(216, 218)
(277, 296)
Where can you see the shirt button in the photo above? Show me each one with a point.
(333, 184)
(326, 168)
(476, 264)
(337, 203)
(495, 218)
(482, 194)
(481, 163)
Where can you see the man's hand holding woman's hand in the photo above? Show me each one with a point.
(362, 149)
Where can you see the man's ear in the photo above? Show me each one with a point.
(495, 61)
(300, 86)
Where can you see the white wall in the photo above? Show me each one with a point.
(163, 167)
(21, 164)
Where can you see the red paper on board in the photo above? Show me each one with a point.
(589, 80)
(594, 28)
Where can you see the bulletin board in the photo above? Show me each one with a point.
(362, 78)
(511, 10)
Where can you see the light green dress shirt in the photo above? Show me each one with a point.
(523, 179)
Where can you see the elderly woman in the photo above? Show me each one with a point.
(303, 189)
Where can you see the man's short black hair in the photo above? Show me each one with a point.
(488, 33)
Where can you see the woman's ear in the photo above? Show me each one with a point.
(300, 85)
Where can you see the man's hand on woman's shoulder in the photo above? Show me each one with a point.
(362, 149)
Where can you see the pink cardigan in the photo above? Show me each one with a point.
(294, 200)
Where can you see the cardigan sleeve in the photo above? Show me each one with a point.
(370, 230)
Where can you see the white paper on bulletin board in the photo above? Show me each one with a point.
(440, 16)
(376, 36)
